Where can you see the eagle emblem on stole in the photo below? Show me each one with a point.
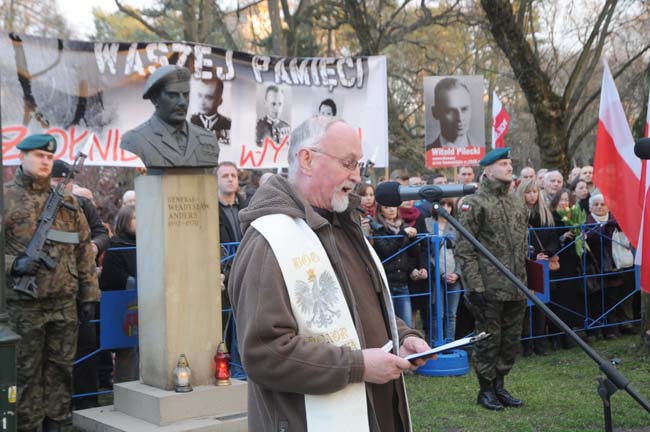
(317, 298)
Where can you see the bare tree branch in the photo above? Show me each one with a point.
(136, 16)
(595, 94)
(580, 74)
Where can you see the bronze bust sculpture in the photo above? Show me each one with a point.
(166, 139)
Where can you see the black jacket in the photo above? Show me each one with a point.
(226, 231)
(119, 264)
(400, 267)
(98, 232)
(545, 239)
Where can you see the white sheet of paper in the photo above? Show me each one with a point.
(451, 345)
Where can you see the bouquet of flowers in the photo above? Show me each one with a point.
(575, 216)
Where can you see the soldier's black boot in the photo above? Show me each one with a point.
(50, 425)
(503, 395)
(486, 396)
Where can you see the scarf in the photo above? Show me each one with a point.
(393, 227)
(369, 210)
(601, 219)
(409, 215)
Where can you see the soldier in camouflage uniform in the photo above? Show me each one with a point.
(47, 324)
(498, 220)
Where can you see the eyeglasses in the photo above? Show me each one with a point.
(599, 205)
(348, 164)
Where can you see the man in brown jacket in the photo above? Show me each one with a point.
(287, 368)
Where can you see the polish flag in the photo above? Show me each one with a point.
(617, 170)
(500, 122)
(643, 259)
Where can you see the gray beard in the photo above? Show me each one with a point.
(339, 205)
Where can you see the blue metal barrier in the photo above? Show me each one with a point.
(437, 291)
(591, 320)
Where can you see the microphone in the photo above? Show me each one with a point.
(642, 148)
(391, 194)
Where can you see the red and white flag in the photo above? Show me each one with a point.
(617, 170)
(643, 259)
(500, 122)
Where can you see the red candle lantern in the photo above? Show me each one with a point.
(222, 361)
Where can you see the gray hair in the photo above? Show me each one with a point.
(594, 198)
(307, 135)
(548, 174)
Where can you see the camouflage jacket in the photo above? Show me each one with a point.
(498, 220)
(74, 274)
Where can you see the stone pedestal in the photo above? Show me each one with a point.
(179, 312)
(142, 408)
(179, 291)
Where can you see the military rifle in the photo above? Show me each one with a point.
(27, 284)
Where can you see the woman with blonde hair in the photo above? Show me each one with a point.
(543, 244)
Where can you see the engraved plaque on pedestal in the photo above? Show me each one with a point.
(179, 294)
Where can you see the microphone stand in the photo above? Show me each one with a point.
(613, 380)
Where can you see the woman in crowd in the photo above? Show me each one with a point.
(450, 281)
(393, 236)
(562, 200)
(119, 265)
(543, 244)
(567, 300)
(580, 191)
(413, 217)
(599, 239)
(367, 193)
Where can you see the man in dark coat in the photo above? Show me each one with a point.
(229, 232)
(287, 366)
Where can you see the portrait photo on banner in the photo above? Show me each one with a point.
(209, 107)
(273, 108)
(454, 121)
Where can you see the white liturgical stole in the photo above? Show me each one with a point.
(322, 314)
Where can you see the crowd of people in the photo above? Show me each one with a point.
(547, 197)
(395, 235)
(409, 262)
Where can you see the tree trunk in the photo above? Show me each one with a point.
(546, 106)
(206, 22)
(190, 32)
(277, 39)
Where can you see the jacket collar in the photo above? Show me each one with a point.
(164, 131)
(495, 187)
(36, 184)
(279, 196)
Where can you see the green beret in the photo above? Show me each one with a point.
(165, 75)
(495, 155)
(38, 142)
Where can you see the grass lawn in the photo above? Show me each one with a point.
(559, 391)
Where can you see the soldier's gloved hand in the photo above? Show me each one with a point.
(25, 266)
(87, 311)
(476, 298)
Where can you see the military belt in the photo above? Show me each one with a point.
(63, 236)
